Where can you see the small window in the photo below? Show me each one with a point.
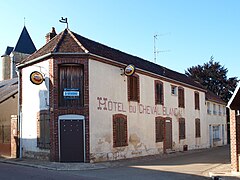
(159, 99)
(174, 90)
(197, 128)
(209, 108)
(159, 129)
(181, 101)
(181, 128)
(219, 110)
(133, 88)
(120, 136)
(43, 129)
(197, 103)
(214, 109)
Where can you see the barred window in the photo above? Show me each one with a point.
(120, 136)
(43, 129)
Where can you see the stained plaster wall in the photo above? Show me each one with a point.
(108, 96)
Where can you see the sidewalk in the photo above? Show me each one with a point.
(219, 170)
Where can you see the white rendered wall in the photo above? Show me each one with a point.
(34, 99)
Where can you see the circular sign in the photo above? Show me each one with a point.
(129, 70)
(36, 78)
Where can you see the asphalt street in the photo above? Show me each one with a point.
(182, 165)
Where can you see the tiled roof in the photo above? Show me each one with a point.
(25, 43)
(113, 54)
(210, 96)
(8, 88)
(8, 51)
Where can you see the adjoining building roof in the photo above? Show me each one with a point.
(8, 88)
(94, 48)
(234, 102)
(210, 96)
(25, 44)
(8, 51)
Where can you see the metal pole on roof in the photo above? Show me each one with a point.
(64, 20)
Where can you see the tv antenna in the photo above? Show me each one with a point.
(64, 20)
(155, 37)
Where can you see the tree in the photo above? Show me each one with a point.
(213, 77)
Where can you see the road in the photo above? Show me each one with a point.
(192, 165)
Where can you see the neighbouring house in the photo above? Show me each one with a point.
(234, 106)
(8, 117)
(217, 120)
(84, 101)
(14, 55)
(9, 93)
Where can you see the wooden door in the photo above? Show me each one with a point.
(168, 134)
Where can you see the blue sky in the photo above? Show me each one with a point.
(190, 31)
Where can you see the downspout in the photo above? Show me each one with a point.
(19, 122)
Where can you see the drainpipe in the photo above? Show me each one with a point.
(19, 125)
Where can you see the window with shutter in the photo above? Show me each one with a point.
(181, 101)
(159, 97)
(197, 103)
(133, 88)
(197, 128)
(120, 136)
(159, 128)
(43, 129)
(71, 81)
(182, 128)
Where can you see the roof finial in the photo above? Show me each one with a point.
(24, 21)
(64, 20)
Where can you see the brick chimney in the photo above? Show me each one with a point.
(50, 35)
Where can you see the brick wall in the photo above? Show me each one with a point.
(57, 111)
(233, 136)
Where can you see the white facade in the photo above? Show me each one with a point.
(108, 96)
(34, 99)
(217, 123)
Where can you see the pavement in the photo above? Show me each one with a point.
(218, 171)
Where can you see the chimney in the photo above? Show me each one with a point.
(50, 35)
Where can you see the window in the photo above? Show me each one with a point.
(159, 129)
(197, 103)
(43, 129)
(208, 108)
(216, 133)
(159, 93)
(224, 110)
(181, 97)
(219, 110)
(133, 88)
(174, 90)
(71, 85)
(214, 109)
(197, 128)
(182, 128)
(120, 137)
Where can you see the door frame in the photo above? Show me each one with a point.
(71, 117)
